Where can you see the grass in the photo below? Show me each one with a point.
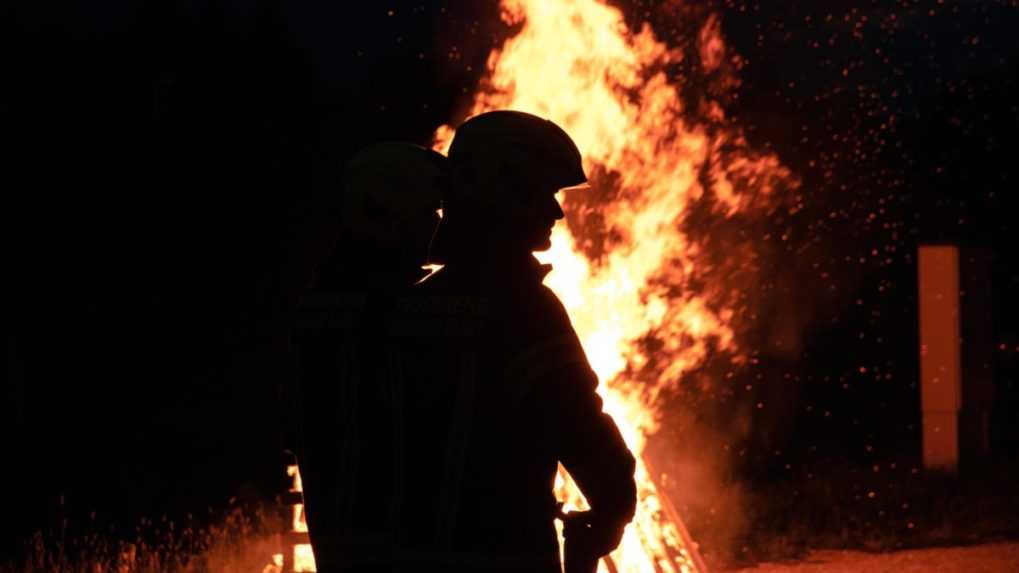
(238, 540)
(880, 508)
(876, 508)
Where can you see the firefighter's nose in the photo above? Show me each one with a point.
(557, 210)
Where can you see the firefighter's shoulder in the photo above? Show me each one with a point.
(546, 349)
(540, 311)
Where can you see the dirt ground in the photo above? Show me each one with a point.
(990, 558)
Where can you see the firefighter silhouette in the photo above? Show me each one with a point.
(459, 396)
(391, 195)
(534, 401)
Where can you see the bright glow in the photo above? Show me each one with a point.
(276, 566)
(304, 560)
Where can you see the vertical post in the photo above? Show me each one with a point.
(297, 553)
(940, 355)
(288, 499)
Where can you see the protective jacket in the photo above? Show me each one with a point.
(469, 389)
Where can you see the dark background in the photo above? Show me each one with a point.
(172, 170)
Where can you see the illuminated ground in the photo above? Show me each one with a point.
(990, 558)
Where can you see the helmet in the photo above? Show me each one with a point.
(489, 145)
(387, 185)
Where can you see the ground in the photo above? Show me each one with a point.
(989, 558)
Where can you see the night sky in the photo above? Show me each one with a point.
(172, 171)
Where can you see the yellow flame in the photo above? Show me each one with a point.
(304, 559)
(294, 472)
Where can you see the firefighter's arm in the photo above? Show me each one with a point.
(594, 453)
(592, 448)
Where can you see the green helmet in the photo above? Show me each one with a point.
(388, 185)
(492, 145)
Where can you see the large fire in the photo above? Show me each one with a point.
(577, 63)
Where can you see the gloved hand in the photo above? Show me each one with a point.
(587, 540)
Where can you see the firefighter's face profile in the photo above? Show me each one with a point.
(394, 216)
(547, 211)
(535, 209)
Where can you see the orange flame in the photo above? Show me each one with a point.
(576, 63)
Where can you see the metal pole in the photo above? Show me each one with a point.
(940, 355)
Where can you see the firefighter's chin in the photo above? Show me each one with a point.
(543, 242)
